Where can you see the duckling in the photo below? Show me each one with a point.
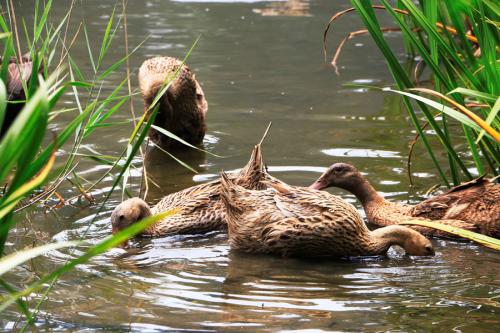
(18, 71)
(292, 221)
(200, 207)
(473, 205)
(183, 107)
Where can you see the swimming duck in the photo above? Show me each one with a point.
(183, 107)
(473, 205)
(200, 207)
(18, 71)
(293, 221)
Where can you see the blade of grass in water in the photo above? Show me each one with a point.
(3, 103)
(176, 138)
(368, 17)
(93, 251)
(17, 258)
(487, 241)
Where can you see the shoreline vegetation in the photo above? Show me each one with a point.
(454, 47)
(27, 164)
(456, 44)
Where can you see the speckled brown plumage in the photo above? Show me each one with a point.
(294, 221)
(201, 210)
(474, 206)
(183, 107)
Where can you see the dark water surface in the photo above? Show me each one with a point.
(258, 61)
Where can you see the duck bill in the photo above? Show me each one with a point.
(317, 185)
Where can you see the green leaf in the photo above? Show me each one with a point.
(95, 250)
(3, 104)
(15, 259)
(491, 117)
(487, 241)
(176, 138)
(105, 43)
(187, 166)
(440, 107)
(473, 93)
(15, 194)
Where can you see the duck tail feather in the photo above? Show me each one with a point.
(265, 133)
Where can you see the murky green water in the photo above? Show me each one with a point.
(258, 62)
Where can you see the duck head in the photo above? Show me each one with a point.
(418, 245)
(129, 212)
(413, 242)
(182, 108)
(341, 175)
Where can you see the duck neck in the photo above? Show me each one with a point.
(366, 194)
(383, 238)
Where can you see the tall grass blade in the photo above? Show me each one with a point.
(93, 251)
(3, 104)
(487, 241)
(17, 258)
(176, 138)
(492, 116)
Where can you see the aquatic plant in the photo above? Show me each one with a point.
(28, 154)
(458, 42)
(491, 242)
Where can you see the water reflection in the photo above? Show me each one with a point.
(285, 8)
(254, 69)
(166, 175)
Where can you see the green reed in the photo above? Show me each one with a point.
(27, 160)
(458, 44)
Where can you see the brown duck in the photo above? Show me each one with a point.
(294, 221)
(473, 206)
(200, 207)
(183, 107)
(19, 71)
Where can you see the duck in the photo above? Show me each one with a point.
(286, 221)
(183, 107)
(473, 205)
(19, 71)
(201, 210)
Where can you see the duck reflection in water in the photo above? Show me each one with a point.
(164, 175)
(285, 8)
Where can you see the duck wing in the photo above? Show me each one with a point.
(457, 203)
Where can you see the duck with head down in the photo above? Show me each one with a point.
(473, 206)
(294, 221)
(182, 108)
(200, 207)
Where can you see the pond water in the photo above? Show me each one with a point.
(258, 61)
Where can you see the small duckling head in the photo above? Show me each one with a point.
(129, 212)
(341, 175)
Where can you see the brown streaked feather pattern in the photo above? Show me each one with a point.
(183, 107)
(294, 221)
(472, 206)
(200, 207)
